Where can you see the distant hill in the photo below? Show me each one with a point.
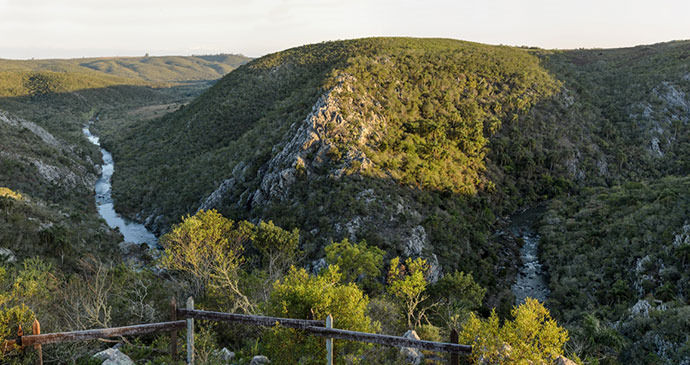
(151, 69)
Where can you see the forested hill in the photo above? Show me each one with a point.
(418, 146)
(149, 69)
(337, 137)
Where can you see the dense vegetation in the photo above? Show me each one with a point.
(412, 123)
(622, 255)
(391, 165)
(45, 158)
(249, 268)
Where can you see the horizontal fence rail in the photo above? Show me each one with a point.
(249, 319)
(396, 341)
(187, 316)
(318, 328)
(60, 337)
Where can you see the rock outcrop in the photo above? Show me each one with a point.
(410, 354)
(260, 360)
(113, 356)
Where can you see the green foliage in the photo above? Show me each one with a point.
(207, 248)
(614, 247)
(360, 263)
(407, 282)
(456, 296)
(434, 104)
(8, 193)
(531, 337)
(300, 295)
(278, 247)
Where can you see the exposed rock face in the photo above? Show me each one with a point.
(416, 243)
(412, 355)
(641, 308)
(7, 255)
(48, 138)
(113, 357)
(215, 198)
(308, 146)
(70, 175)
(657, 122)
(317, 265)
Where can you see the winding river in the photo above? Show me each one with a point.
(532, 281)
(132, 231)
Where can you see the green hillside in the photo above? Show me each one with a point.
(400, 133)
(45, 157)
(152, 69)
(55, 216)
(437, 138)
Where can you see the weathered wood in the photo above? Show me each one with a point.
(250, 319)
(389, 340)
(173, 334)
(317, 328)
(454, 358)
(329, 342)
(190, 333)
(20, 334)
(8, 345)
(36, 330)
(74, 336)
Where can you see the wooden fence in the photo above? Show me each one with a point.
(313, 327)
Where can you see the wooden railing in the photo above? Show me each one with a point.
(313, 327)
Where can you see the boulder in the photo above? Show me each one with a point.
(226, 355)
(562, 360)
(113, 356)
(259, 360)
(410, 354)
(7, 255)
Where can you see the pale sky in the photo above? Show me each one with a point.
(83, 28)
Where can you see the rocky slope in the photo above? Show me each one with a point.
(55, 216)
(419, 146)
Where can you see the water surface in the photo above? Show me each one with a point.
(133, 231)
(532, 280)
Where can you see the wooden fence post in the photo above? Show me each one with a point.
(36, 329)
(329, 342)
(454, 358)
(190, 333)
(20, 333)
(173, 333)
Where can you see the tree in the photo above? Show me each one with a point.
(277, 246)
(456, 294)
(407, 282)
(359, 263)
(207, 248)
(531, 337)
(300, 295)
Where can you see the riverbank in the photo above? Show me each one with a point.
(132, 231)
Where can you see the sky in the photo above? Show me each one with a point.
(90, 28)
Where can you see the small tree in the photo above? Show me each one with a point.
(457, 295)
(300, 295)
(407, 282)
(531, 337)
(359, 263)
(277, 246)
(207, 248)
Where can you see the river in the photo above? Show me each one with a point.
(132, 231)
(532, 280)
